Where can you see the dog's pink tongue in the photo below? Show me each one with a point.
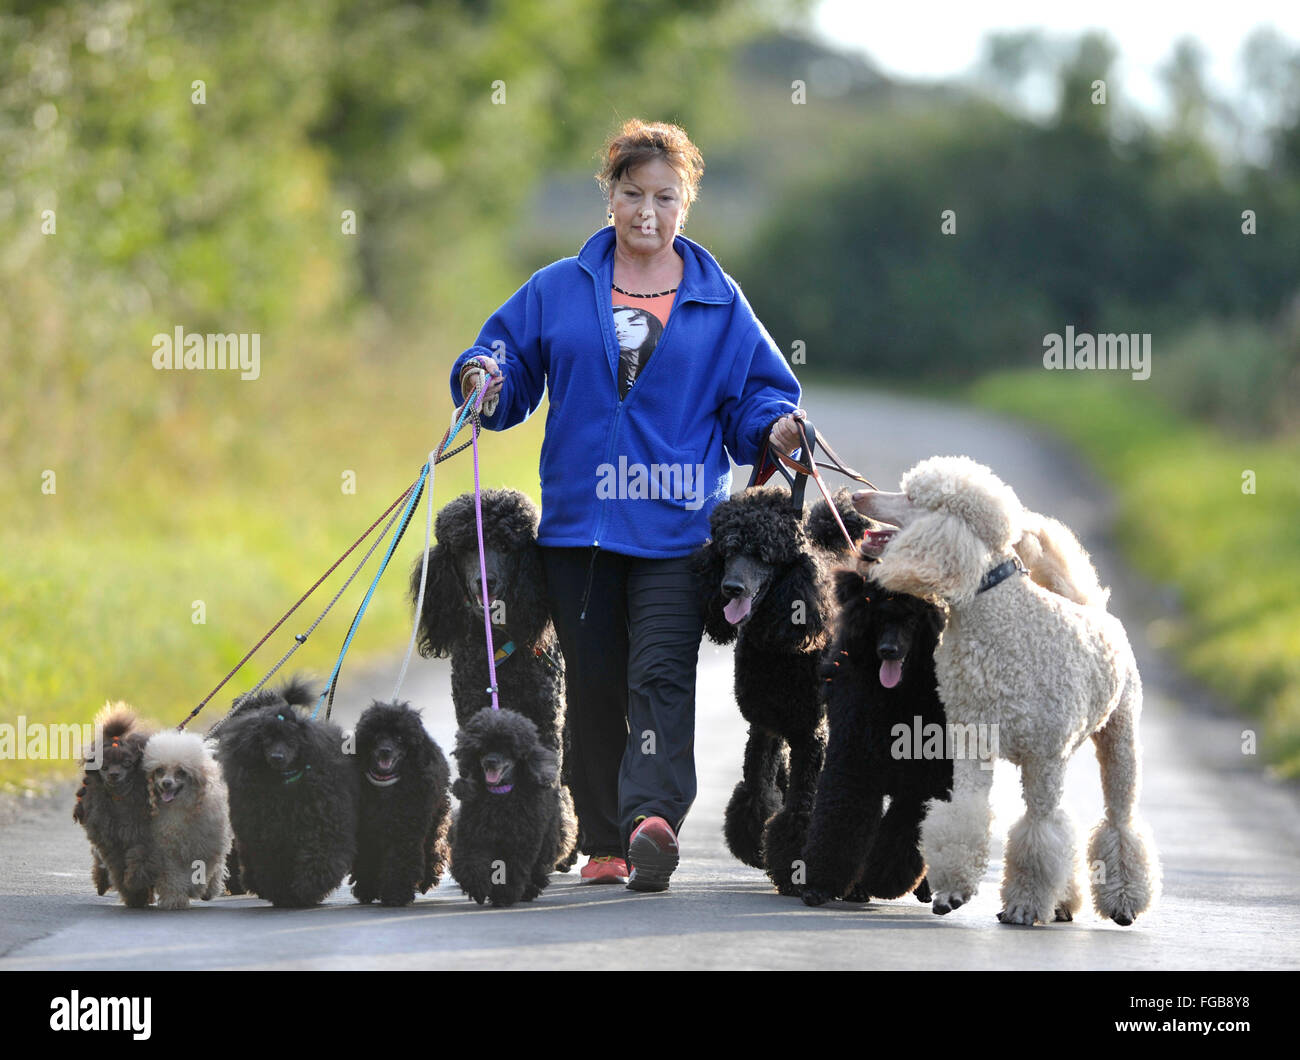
(736, 610)
(891, 672)
(492, 776)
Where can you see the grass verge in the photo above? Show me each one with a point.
(1188, 518)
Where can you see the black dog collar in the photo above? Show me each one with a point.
(1001, 573)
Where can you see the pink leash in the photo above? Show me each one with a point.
(482, 555)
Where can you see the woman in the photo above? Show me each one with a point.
(634, 458)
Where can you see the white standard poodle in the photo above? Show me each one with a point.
(190, 833)
(1042, 671)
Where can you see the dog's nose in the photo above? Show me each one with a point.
(888, 650)
(277, 757)
(167, 783)
(733, 589)
(860, 499)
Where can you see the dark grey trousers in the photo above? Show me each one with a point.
(630, 687)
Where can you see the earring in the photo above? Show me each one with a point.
(609, 216)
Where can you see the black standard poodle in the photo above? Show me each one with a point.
(293, 797)
(113, 807)
(887, 738)
(512, 824)
(405, 806)
(764, 575)
(530, 674)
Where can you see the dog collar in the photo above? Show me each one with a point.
(297, 776)
(382, 783)
(1001, 573)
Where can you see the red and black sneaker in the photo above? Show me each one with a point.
(652, 853)
(604, 868)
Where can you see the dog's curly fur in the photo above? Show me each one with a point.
(853, 850)
(779, 644)
(405, 806)
(113, 807)
(293, 797)
(1047, 672)
(505, 844)
(190, 827)
(531, 680)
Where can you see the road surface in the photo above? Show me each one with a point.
(1228, 835)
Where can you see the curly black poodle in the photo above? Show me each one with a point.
(113, 807)
(293, 797)
(405, 806)
(764, 575)
(513, 824)
(887, 738)
(530, 674)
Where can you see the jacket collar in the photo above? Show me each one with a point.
(702, 277)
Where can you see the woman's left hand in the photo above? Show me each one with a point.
(785, 435)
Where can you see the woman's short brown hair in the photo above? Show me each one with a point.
(639, 142)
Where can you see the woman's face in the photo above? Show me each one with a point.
(647, 204)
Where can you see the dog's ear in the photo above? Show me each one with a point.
(707, 564)
(462, 788)
(239, 741)
(847, 585)
(527, 613)
(443, 616)
(543, 767)
(793, 610)
(936, 556)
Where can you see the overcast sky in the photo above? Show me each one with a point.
(942, 40)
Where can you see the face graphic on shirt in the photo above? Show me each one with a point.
(634, 327)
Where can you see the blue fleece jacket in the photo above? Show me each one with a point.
(637, 476)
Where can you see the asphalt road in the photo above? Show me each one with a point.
(1228, 835)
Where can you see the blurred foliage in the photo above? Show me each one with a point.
(197, 160)
(1187, 521)
(128, 208)
(1090, 218)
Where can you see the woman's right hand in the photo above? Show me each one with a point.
(471, 374)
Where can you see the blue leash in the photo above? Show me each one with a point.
(402, 523)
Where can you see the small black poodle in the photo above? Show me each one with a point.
(530, 675)
(405, 806)
(887, 738)
(293, 797)
(113, 807)
(512, 824)
(764, 575)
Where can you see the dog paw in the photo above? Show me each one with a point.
(1122, 918)
(1018, 913)
(813, 897)
(1062, 915)
(393, 901)
(922, 891)
(174, 901)
(946, 901)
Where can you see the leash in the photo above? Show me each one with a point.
(470, 410)
(799, 472)
(459, 421)
(301, 600)
(301, 638)
(482, 558)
